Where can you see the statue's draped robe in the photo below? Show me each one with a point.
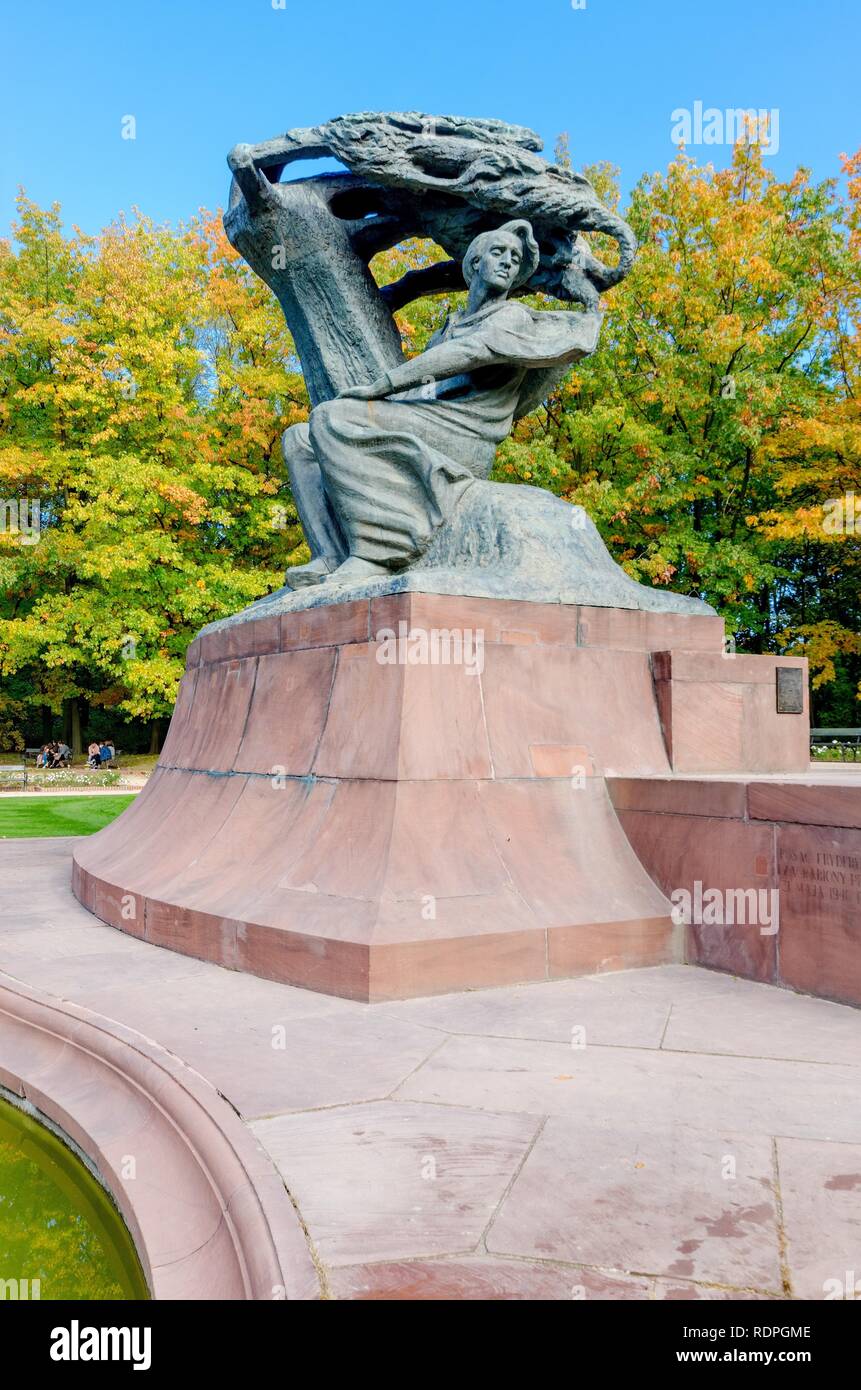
(393, 470)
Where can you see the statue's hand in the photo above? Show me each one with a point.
(373, 392)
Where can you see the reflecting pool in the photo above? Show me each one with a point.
(60, 1234)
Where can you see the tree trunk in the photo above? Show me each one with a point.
(291, 238)
(72, 725)
(155, 736)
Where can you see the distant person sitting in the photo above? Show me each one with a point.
(93, 755)
(106, 753)
(44, 755)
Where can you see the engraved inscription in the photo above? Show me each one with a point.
(790, 690)
(821, 876)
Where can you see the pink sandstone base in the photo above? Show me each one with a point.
(798, 837)
(322, 817)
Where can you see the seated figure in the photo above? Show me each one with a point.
(377, 471)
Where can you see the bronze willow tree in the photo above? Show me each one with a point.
(445, 177)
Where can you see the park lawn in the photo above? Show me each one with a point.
(26, 817)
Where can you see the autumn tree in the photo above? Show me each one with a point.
(145, 380)
(146, 377)
(719, 416)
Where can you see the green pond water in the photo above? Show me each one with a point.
(57, 1224)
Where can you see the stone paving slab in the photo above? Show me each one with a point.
(647, 1087)
(269, 1066)
(496, 1280)
(672, 1201)
(792, 1027)
(484, 1279)
(386, 1182)
(668, 1133)
(821, 1190)
(583, 1011)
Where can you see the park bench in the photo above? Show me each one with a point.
(844, 738)
(17, 768)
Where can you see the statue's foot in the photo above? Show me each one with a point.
(354, 569)
(315, 572)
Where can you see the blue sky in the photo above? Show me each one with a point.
(200, 75)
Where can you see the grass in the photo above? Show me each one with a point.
(25, 818)
(138, 762)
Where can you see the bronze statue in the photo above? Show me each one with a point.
(391, 474)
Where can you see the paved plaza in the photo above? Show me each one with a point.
(664, 1133)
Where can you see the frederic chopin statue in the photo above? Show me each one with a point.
(390, 475)
(380, 468)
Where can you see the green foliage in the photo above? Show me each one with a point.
(720, 412)
(146, 377)
(145, 380)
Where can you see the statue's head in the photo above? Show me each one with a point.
(502, 259)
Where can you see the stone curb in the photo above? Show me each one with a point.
(207, 1210)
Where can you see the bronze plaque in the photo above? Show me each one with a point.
(790, 690)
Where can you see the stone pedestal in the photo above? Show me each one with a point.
(795, 839)
(408, 794)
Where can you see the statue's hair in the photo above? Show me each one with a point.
(519, 228)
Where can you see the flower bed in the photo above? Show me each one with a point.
(38, 781)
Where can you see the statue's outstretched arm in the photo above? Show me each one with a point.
(434, 364)
(544, 340)
(437, 363)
